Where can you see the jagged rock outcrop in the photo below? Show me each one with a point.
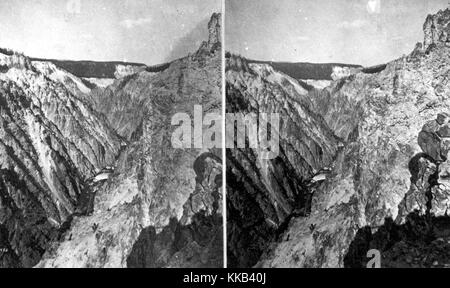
(420, 236)
(430, 190)
(194, 241)
(436, 29)
(161, 207)
(84, 182)
(423, 169)
(214, 39)
(215, 34)
(378, 116)
(125, 103)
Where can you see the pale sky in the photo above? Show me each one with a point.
(146, 31)
(347, 31)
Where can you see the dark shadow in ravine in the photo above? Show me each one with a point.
(420, 242)
(197, 245)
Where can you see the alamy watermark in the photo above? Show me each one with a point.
(259, 132)
(375, 258)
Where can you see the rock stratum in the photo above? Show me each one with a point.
(362, 164)
(88, 175)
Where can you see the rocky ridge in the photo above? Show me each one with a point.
(51, 143)
(262, 195)
(162, 206)
(385, 177)
(81, 189)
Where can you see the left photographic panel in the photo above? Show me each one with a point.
(110, 134)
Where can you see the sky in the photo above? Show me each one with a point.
(365, 32)
(144, 31)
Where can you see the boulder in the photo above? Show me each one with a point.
(444, 131)
(430, 143)
(434, 139)
(442, 118)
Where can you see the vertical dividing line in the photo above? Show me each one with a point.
(224, 159)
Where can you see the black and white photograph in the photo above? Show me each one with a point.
(89, 177)
(361, 176)
(224, 139)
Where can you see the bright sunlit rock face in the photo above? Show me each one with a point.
(388, 165)
(89, 177)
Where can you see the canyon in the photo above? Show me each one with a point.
(363, 162)
(88, 175)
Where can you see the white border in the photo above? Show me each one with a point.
(224, 159)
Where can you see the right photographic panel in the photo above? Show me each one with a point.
(338, 133)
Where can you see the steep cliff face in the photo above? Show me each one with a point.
(126, 102)
(378, 115)
(263, 194)
(196, 239)
(161, 207)
(51, 143)
(88, 175)
(436, 29)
